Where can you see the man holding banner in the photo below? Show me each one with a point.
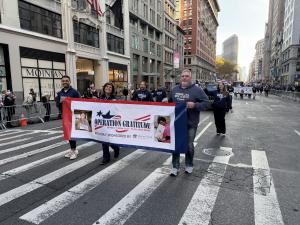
(196, 100)
(67, 91)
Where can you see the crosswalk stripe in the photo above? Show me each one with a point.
(43, 212)
(14, 141)
(42, 181)
(6, 131)
(128, 205)
(266, 207)
(42, 161)
(29, 144)
(16, 136)
(10, 133)
(202, 203)
(201, 133)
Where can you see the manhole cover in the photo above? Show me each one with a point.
(217, 151)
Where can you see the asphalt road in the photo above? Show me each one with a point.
(250, 176)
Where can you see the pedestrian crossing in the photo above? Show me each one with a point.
(48, 149)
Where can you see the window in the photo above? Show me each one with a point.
(40, 20)
(152, 48)
(135, 41)
(145, 11)
(135, 63)
(145, 44)
(86, 34)
(159, 51)
(115, 44)
(145, 64)
(2, 70)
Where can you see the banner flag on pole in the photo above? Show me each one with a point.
(146, 125)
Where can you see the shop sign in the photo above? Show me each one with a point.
(43, 73)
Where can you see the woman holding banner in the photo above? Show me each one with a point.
(221, 105)
(108, 94)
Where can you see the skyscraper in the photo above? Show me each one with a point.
(199, 20)
(231, 49)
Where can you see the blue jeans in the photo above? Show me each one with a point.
(189, 155)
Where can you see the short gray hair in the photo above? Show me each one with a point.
(186, 70)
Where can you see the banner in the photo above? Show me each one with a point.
(244, 90)
(146, 125)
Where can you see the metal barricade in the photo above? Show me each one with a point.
(37, 112)
(288, 95)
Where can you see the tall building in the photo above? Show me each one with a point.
(231, 49)
(199, 20)
(258, 60)
(40, 41)
(291, 44)
(146, 36)
(273, 41)
(169, 36)
(179, 53)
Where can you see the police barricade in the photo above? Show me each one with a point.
(11, 116)
(290, 95)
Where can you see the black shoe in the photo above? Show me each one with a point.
(116, 153)
(104, 161)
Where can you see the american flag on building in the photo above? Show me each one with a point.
(96, 6)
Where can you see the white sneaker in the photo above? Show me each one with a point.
(74, 154)
(68, 154)
(174, 172)
(189, 169)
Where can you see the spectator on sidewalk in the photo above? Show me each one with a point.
(9, 104)
(46, 102)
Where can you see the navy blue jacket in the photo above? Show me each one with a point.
(190, 94)
(71, 92)
(144, 96)
(221, 102)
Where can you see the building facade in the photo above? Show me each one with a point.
(258, 60)
(291, 46)
(179, 53)
(231, 49)
(40, 41)
(199, 20)
(146, 35)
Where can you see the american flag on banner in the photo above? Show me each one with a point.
(95, 4)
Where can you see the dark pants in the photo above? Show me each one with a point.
(72, 144)
(48, 111)
(106, 155)
(189, 155)
(219, 115)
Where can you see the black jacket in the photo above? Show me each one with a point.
(144, 96)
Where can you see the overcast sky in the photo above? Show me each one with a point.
(247, 19)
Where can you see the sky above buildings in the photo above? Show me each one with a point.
(246, 19)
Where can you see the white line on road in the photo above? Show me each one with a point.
(43, 212)
(297, 132)
(40, 162)
(8, 131)
(14, 132)
(17, 136)
(202, 121)
(128, 205)
(268, 107)
(266, 207)
(14, 141)
(202, 203)
(29, 144)
(55, 128)
(202, 132)
(46, 179)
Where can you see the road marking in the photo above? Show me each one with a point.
(29, 144)
(202, 203)
(268, 107)
(202, 121)
(14, 141)
(266, 206)
(44, 211)
(55, 128)
(46, 179)
(14, 137)
(202, 132)
(40, 162)
(297, 132)
(7, 131)
(251, 117)
(14, 132)
(128, 205)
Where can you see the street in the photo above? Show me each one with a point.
(250, 176)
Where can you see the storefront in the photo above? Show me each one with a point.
(5, 78)
(85, 72)
(42, 71)
(118, 75)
